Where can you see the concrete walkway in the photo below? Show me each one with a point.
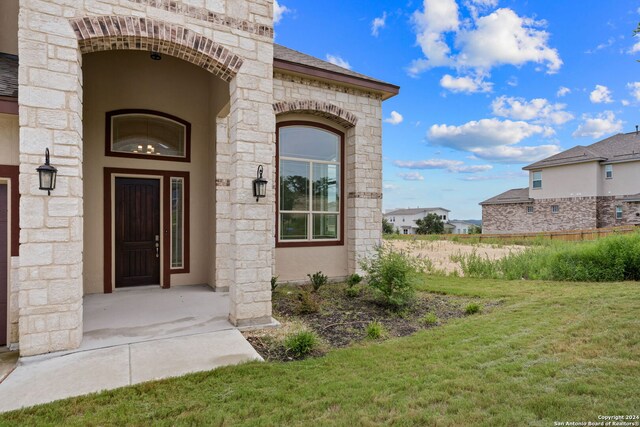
(159, 344)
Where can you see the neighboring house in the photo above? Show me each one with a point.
(583, 187)
(158, 116)
(404, 220)
(461, 227)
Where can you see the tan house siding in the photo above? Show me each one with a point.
(626, 179)
(580, 180)
(324, 103)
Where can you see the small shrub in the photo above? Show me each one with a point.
(274, 283)
(392, 275)
(306, 304)
(317, 280)
(353, 280)
(375, 330)
(472, 308)
(301, 344)
(429, 319)
(352, 292)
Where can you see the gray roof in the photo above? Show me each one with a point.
(515, 195)
(8, 75)
(414, 211)
(617, 148)
(285, 54)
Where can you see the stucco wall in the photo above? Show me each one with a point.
(9, 26)
(363, 177)
(127, 79)
(580, 180)
(625, 181)
(9, 140)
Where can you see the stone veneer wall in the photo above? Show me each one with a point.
(363, 151)
(50, 108)
(575, 213)
(607, 212)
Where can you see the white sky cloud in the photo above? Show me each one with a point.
(562, 91)
(278, 11)
(395, 118)
(337, 60)
(538, 110)
(377, 24)
(411, 176)
(494, 139)
(499, 38)
(465, 84)
(635, 48)
(598, 126)
(455, 166)
(610, 41)
(601, 94)
(634, 89)
(390, 187)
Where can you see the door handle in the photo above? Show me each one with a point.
(157, 246)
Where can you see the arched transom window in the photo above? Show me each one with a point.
(147, 134)
(310, 158)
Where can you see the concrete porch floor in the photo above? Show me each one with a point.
(131, 337)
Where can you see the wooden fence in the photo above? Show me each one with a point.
(569, 235)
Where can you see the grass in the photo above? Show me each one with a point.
(554, 351)
(612, 258)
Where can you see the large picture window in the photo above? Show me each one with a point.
(147, 134)
(309, 184)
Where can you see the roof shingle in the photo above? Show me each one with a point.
(515, 195)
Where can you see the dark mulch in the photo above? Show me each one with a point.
(341, 320)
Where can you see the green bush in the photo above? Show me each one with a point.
(301, 344)
(306, 304)
(472, 308)
(274, 283)
(392, 275)
(352, 292)
(317, 280)
(375, 330)
(353, 280)
(429, 319)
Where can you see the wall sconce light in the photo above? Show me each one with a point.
(259, 185)
(47, 174)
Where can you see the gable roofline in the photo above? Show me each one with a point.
(292, 61)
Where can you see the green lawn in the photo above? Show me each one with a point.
(552, 352)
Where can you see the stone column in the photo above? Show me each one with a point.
(50, 99)
(251, 143)
(364, 186)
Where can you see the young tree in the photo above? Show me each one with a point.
(430, 224)
(387, 227)
(476, 229)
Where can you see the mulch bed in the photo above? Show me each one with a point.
(341, 321)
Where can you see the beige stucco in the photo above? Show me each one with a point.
(9, 140)
(9, 26)
(579, 180)
(127, 79)
(626, 177)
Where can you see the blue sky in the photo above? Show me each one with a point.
(487, 86)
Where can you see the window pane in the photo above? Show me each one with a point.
(177, 222)
(149, 135)
(309, 143)
(293, 226)
(325, 226)
(326, 190)
(294, 185)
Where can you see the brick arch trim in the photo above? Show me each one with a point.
(317, 108)
(100, 33)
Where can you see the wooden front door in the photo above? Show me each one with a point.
(137, 232)
(4, 266)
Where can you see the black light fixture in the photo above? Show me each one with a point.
(47, 174)
(259, 185)
(156, 56)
